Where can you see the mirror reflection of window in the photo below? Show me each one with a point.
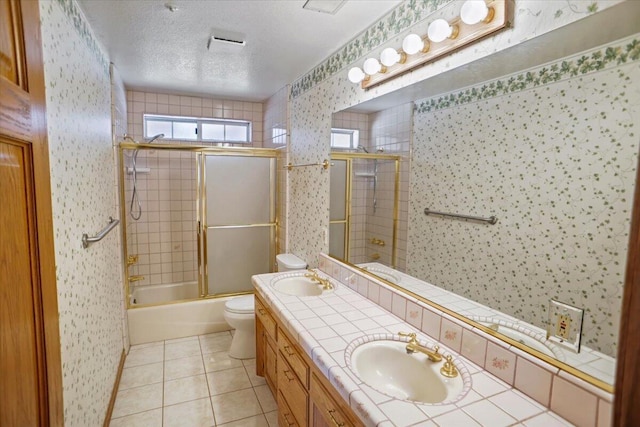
(345, 139)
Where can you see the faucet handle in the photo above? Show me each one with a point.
(411, 335)
(448, 369)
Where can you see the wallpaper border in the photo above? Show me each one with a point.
(79, 21)
(627, 51)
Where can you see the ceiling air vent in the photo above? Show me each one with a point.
(226, 37)
(324, 6)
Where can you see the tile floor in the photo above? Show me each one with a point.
(192, 382)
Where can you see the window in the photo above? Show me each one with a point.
(346, 139)
(198, 129)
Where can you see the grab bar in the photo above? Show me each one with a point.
(86, 240)
(491, 220)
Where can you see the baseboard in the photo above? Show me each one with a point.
(114, 392)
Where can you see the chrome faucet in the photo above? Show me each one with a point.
(413, 346)
(313, 275)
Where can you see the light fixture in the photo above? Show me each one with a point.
(390, 57)
(413, 44)
(476, 20)
(372, 66)
(475, 11)
(440, 30)
(356, 75)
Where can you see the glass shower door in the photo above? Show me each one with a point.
(238, 216)
(339, 209)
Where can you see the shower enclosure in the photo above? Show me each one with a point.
(207, 220)
(364, 207)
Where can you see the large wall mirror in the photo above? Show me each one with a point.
(554, 163)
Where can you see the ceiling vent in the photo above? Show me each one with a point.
(324, 6)
(226, 37)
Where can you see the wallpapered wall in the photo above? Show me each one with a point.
(555, 163)
(82, 173)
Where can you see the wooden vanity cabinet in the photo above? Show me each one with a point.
(305, 397)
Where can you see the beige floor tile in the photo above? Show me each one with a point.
(267, 402)
(181, 349)
(185, 389)
(228, 380)
(272, 418)
(196, 413)
(253, 377)
(184, 367)
(235, 406)
(151, 418)
(145, 355)
(141, 375)
(220, 361)
(138, 399)
(257, 421)
(215, 342)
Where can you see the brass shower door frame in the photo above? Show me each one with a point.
(198, 149)
(349, 158)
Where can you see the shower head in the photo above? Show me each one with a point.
(153, 138)
(361, 147)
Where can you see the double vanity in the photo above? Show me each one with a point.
(342, 349)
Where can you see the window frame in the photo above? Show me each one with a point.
(199, 121)
(354, 135)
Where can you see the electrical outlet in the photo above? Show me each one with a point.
(565, 325)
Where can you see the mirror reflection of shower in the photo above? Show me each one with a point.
(135, 199)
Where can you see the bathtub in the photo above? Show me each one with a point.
(173, 320)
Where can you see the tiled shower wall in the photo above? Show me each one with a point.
(164, 238)
(276, 135)
(89, 281)
(390, 134)
(554, 159)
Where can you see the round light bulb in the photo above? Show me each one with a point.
(356, 75)
(474, 11)
(412, 44)
(372, 66)
(439, 30)
(389, 57)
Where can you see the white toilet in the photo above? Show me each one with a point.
(239, 313)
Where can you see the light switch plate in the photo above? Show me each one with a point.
(565, 325)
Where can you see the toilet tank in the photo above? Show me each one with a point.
(289, 262)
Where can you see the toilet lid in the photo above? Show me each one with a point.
(240, 304)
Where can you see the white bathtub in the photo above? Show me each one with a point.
(173, 320)
(158, 294)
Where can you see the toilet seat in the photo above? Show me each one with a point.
(240, 305)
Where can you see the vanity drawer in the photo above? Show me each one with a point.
(326, 407)
(292, 391)
(293, 357)
(285, 416)
(266, 319)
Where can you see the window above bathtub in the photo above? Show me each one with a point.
(345, 139)
(197, 129)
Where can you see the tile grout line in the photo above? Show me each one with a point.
(206, 378)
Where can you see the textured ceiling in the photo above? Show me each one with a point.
(154, 48)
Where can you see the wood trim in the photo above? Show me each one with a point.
(114, 392)
(627, 391)
(44, 215)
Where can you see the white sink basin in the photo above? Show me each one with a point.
(384, 365)
(297, 285)
(384, 274)
(523, 335)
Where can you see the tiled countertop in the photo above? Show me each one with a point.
(325, 325)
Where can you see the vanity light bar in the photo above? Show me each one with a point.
(479, 18)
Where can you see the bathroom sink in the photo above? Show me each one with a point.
(523, 335)
(384, 365)
(384, 274)
(297, 285)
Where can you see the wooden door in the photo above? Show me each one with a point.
(30, 368)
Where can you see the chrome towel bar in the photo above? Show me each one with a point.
(491, 220)
(86, 240)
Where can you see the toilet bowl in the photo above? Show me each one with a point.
(239, 314)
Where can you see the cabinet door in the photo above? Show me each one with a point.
(271, 360)
(326, 410)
